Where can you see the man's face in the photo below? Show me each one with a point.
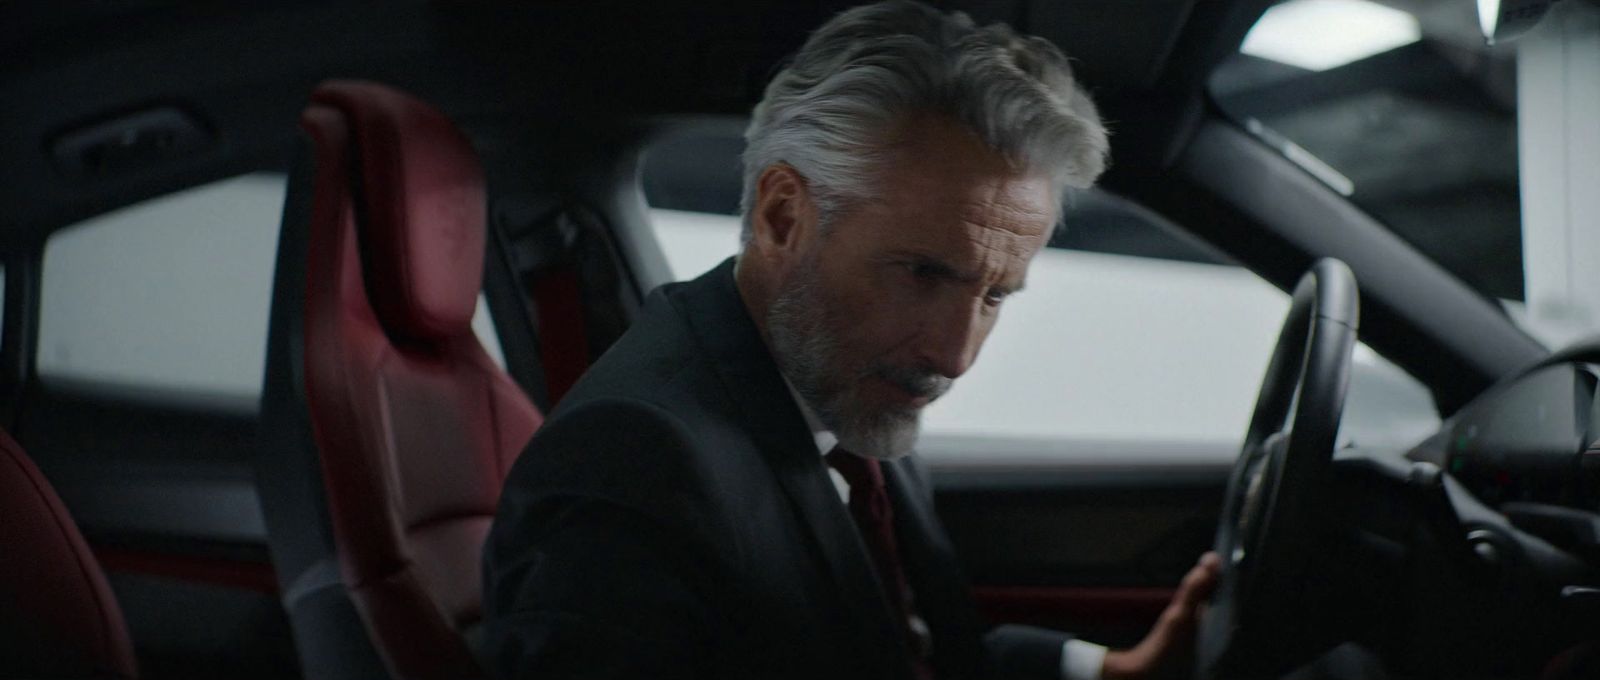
(891, 302)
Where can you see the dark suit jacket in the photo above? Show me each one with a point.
(673, 518)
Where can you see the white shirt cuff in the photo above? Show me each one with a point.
(1081, 660)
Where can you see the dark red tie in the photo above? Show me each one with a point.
(869, 506)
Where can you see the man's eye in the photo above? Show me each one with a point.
(924, 271)
(995, 297)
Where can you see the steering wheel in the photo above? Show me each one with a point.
(1257, 623)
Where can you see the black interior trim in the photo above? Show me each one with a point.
(21, 333)
(1143, 531)
(145, 468)
(508, 306)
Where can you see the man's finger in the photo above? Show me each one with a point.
(1199, 582)
(1211, 568)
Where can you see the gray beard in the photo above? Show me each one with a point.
(807, 351)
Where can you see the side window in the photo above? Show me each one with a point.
(170, 296)
(1129, 332)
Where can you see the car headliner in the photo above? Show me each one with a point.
(243, 70)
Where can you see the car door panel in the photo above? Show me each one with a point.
(165, 495)
(1093, 547)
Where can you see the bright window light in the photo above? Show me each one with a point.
(1321, 34)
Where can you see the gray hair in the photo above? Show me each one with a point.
(830, 112)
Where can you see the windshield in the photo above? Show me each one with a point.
(1404, 108)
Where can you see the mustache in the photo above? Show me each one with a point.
(920, 382)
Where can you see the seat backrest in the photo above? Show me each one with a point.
(413, 426)
(58, 618)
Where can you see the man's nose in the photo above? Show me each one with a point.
(950, 340)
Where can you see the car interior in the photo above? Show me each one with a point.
(264, 364)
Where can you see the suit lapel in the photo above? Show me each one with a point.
(722, 325)
(935, 576)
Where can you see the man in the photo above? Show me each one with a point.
(677, 517)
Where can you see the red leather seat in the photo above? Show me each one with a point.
(58, 618)
(412, 424)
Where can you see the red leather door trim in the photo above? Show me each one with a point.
(254, 576)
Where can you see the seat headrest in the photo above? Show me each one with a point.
(420, 197)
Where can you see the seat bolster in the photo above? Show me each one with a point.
(58, 617)
(515, 418)
(416, 638)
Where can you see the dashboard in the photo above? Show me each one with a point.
(1530, 449)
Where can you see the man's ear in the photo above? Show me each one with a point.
(783, 215)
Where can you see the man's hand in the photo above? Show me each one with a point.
(1168, 651)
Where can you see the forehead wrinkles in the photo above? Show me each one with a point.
(1003, 209)
(994, 248)
(992, 254)
(1001, 224)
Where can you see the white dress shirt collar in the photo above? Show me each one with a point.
(820, 434)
